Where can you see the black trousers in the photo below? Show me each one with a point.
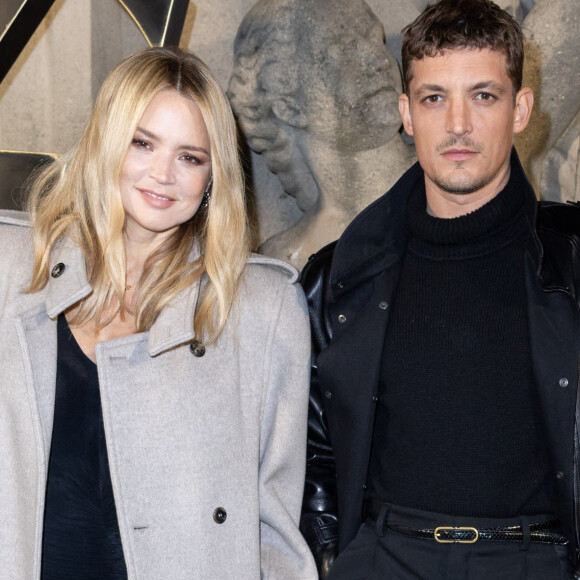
(379, 553)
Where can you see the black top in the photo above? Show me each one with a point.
(458, 427)
(81, 535)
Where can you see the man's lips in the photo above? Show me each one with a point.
(459, 154)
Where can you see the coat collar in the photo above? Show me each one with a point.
(558, 227)
(67, 282)
(173, 326)
(376, 238)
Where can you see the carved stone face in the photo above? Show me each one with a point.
(350, 97)
(307, 74)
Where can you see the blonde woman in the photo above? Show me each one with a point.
(153, 373)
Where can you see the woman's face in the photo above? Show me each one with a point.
(167, 167)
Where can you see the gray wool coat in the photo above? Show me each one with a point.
(185, 434)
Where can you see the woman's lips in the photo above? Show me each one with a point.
(156, 199)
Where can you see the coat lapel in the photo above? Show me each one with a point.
(174, 325)
(37, 335)
(349, 372)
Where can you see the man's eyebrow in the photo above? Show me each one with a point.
(154, 136)
(491, 85)
(426, 88)
(481, 85)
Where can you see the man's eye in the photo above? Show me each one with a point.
(484, 97)
(433, 99)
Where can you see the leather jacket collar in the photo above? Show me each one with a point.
(376, 238)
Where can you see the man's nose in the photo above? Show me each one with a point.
(458, 119)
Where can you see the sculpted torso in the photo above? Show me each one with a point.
(317, 97)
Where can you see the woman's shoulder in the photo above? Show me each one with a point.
(267, 281)
(17, 256)
(260, 266)
(270, 292)
(11, 217)
(14, 226)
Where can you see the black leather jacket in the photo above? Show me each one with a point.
(349, 286)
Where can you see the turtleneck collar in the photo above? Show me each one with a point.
(479, 232)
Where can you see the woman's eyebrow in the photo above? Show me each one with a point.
(153, 136)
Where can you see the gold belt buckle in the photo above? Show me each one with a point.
(451, 528)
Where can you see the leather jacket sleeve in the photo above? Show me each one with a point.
(319, 520)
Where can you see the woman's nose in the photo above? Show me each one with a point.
(161, 169)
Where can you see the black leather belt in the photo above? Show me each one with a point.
(539, 531)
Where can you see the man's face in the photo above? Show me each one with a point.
(461, 112)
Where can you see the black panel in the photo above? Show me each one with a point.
(18, 33)
(161, 20)
(15, 168)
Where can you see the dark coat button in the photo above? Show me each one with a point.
(219, 515)
(197, 349)
(57, 270)
(328, 394)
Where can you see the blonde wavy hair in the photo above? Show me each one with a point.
(79, 197)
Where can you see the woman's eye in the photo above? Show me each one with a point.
(190, 159)
(140, 144)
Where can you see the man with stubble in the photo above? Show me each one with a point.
(446, 342)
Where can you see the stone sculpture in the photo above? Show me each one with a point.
(316, 93)
(549, 148)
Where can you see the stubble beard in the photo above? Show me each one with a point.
(457, 183)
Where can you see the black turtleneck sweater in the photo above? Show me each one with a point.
(458, 424)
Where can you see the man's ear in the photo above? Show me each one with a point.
(523, 109)
(405, 111)
(287, 110)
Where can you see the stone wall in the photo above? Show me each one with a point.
(47, 96)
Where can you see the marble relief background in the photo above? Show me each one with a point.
(334, 168)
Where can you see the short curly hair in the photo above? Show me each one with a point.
(452, 24)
